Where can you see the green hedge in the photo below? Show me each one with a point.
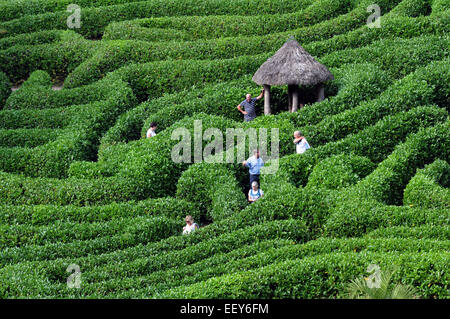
(391, 130)
(144, 230)
(213, 188)
(322, 276)
(45, 97)
(79, 142)
(94, 20)
(5, 89)
(41, 215)
(27, 137)
(119, 53)
(39, 118)
(429, 187)
(58, 59)
(245, 258)
(361, 220)
(340, 171)
(34, 38)
(419, 232)
(200, 27)
(64, 232)
(355, 83)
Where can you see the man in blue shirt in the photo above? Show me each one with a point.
(254, 164)
(249, 106)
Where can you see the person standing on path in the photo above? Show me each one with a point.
(249, 106)
(254, 164)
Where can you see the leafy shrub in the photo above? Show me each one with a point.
(429, 187)
(5, 88)
(340, 171)
(213, 188)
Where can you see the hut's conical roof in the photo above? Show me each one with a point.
(292, 64)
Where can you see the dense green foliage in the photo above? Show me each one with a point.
(81, 184)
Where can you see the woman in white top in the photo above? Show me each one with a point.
(190, 225)
(152, 130)
(255, 192)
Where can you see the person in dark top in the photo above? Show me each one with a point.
(249, 106)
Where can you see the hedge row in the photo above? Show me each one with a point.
(356, 83)
(58, 59)
(43, 274)
(96, 19)
(41, 215)
(5, 89)
(39, 97)
(241, 259)
(358, 222)
(145, 230)
(400, 97)
(39, 118)
(213, 188)
(64, 233)
(391, 130)
(340, 171)
(411, 53)
(415, 232)
(387, 182)
(119, 53)
(13, 9)
(201, 27)
(393, 26)
(322, 276)
(34, 38)
(366, 200)
(78, 143)
(429, 187)
(27, 137)
(288, 229)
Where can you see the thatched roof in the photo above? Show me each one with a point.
(292, 64)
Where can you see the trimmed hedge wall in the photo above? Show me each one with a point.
(27, 137)
(429, 187)
(41, 215)
(340, 171)
(213, 188)
(96, 19)
(201, 27)
(322, 276)
(5, 89)
(416, 232)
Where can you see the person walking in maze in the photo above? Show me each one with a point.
(152, 130)
(255, 192)
(300, 142)
(254, 164)
(190, 225)
(249, 106)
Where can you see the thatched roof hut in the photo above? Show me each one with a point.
(293, 66)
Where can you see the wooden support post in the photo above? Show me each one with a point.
(290, 89)
(295, 98)
(267, 109)
(320, 93)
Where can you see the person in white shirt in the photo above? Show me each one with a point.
(190, 225)
(152, 130)
(255, 192)
(300, 142)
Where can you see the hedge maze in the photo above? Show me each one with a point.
(80, 184)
